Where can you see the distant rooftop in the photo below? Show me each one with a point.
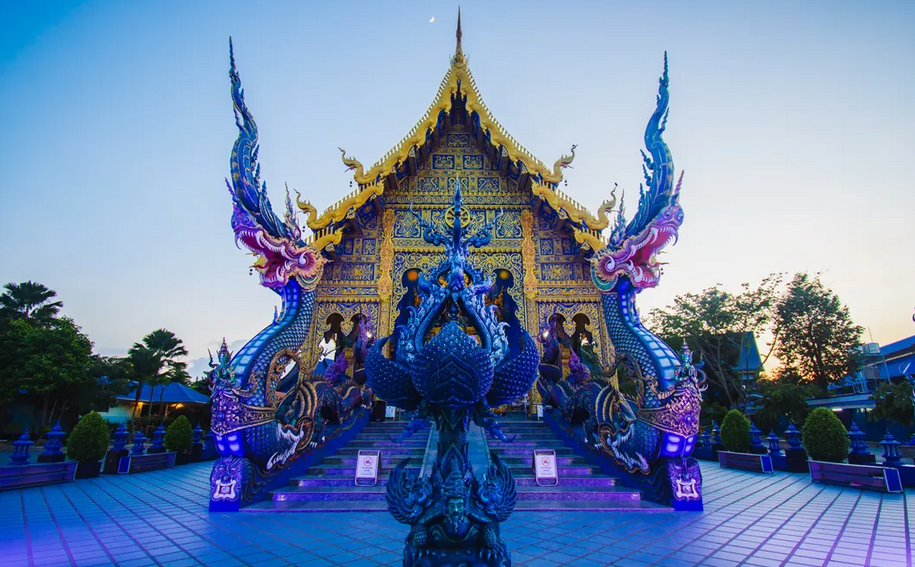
(173, 393)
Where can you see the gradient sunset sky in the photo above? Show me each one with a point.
(793, 121)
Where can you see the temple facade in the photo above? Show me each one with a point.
(541, 246)
(380, 278)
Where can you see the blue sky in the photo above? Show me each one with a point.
(793, 121)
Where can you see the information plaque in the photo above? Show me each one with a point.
(367, 465)
(545, 471)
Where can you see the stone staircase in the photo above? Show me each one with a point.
(330, 486)
(581, 486)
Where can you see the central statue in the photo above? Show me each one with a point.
(451, 362)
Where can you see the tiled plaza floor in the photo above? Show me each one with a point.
(161, 518)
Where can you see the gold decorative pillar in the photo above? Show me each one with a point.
(385, 282)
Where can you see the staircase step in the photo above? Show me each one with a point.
(268, 506)
(561, 492)
(528, 460)
(386, 451)
(325, 493)
(508, 450)
(592, 480)
(589, 506)
(344, 470)
(330, 480)
(561, 470)
(387, 461)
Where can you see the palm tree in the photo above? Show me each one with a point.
(30, 300)
(155, 361)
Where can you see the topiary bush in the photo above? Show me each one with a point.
(89, 440)
(735, 432)
(824, 436)
(179, 437)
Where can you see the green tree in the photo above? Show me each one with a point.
(735, 432)
(816, 335)
(782, 398)
(30, 301)
(893, 402)
(825, 438)
(716, 324)
(89, 439)
(43, 360)
(179, 436)
(155, 362)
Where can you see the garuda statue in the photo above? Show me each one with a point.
(451, 362)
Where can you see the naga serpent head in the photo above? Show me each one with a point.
(278, 244)
(632, 250)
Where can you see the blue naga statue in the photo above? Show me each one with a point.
(258, 430)
(451, 362)
(649, 436)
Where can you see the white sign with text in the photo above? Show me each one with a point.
(545, 471)
(367, 465)
(390, 412)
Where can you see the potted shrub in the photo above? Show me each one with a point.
(179, 437)
(735, 432)
(87, 445)
(824, 436)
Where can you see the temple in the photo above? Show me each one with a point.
(376, 265)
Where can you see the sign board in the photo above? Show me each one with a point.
(367, 465)
(545, 471)
(539, 411)
(390, 412)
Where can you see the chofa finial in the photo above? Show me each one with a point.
(458, 51)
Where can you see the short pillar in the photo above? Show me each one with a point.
(775, 448)
(706, 439)
(118, 449)
(21, 446)
(756, 446)
(717, 434)
(139, 444)
(158, 441)
(891, 457)
(858, 452)
(52, 449)
(795, 455)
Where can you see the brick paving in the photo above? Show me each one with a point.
(161, 518)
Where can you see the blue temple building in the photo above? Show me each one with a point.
(369, 280)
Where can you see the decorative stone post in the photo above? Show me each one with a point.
(859, 454)
(775, 448)
(795, 454)
(891, 457)
(197, 446)
(716, 431)
(20, 455)
(118, 450)
(158, 441)
(52, 452)
(756, 445)
(139, 444)
(120, 438)
(706, 437)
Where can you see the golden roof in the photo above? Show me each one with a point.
(457, 81)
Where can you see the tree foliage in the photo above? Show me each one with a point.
(30, 301)
(816, 335)
(179, 436)
(825, 438)
(735, 432)
(715, 324)
(155, 362)
(894, 402)
(782, 398)
(89, 439)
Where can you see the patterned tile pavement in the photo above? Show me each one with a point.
(161, 518)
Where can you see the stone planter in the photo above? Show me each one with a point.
(90, 469)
